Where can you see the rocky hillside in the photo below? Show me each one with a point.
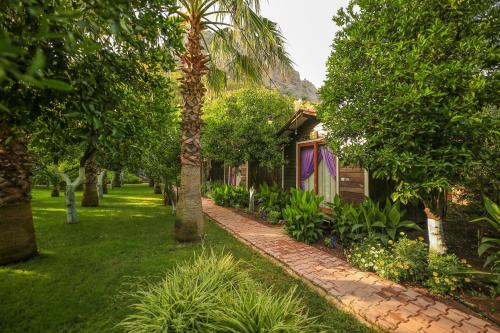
(291, 84)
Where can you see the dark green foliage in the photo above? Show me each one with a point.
(272, 200)
(230, 196)
(303, 216)
(367, 220)
(408, 86)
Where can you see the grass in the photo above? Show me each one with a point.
(79, 281)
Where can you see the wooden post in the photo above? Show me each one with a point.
(316, 167)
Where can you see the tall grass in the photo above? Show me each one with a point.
(212, 294)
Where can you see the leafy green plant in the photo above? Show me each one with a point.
(272, 199)
(229, 196)
(491, 244)
(447, 273)
(367, 220)
(407, 261)
(304, 217)
(274, 217)
(213, 294)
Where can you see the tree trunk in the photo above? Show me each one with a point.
(70, 204)
(170, 196)
(151, 182)
(90, 195)
(116, 182)
(157, 188)
(17, 233)
(434, 210)
(100, 184)
(105, 183)
(70, 194)
(189, 219)
(55, 190)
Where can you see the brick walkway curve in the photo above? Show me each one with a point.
(376, 301)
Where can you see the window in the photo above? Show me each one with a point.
(317, 169)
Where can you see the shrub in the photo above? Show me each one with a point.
(407, 261)
(368, 220)
(130, 178)
(212, 294)
(230, 196)
(446, 273)
(274, 217)
(368, 255)
(272, 199)
(303, 216)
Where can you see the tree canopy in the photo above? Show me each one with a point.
(242, 125)
(408, 89)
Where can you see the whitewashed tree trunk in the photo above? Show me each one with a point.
(251, 203)
(436, 233)
(100, 179)
(70, 194)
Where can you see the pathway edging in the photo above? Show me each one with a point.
(377, 302)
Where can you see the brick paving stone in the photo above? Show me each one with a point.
(380, 302)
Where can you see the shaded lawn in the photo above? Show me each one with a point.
(78, 282)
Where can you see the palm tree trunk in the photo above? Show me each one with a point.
(90, 195)
(189, 218)
(17, 233)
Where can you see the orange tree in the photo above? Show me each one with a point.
(407, 94)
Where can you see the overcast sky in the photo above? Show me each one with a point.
(308, 27)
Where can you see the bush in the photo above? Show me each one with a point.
(368, 255)
(368, 220)
(447, 273)
(230, 196)
(272, 199)
(212, 294)
(274, 217)
(130, 178)
(407, 261)
(303, 216)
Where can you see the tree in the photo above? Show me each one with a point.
(405, 92)
(42, 45)
(241, 126)
(243, 44)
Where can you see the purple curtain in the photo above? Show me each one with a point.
(306, 164)
(330, 161)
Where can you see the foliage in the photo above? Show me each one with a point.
(272, 199)
(368, 220)
(446, 273)
(230, 196)
(407, 86)
(130, 178)
(212, 294)
(491, 244)
(303, 216)
(274, 216)
(407, 261)
(241, 126)
(367, 255)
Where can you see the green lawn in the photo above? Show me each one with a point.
(78, 283)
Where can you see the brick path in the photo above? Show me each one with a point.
(378, 302)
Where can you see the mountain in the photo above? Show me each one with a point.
(291, 84)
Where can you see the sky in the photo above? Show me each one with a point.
(309, 30)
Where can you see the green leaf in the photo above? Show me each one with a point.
(56, 84)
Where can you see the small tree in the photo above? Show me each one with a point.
(406, 87)
(241, 126)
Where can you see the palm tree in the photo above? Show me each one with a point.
(242, 44)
